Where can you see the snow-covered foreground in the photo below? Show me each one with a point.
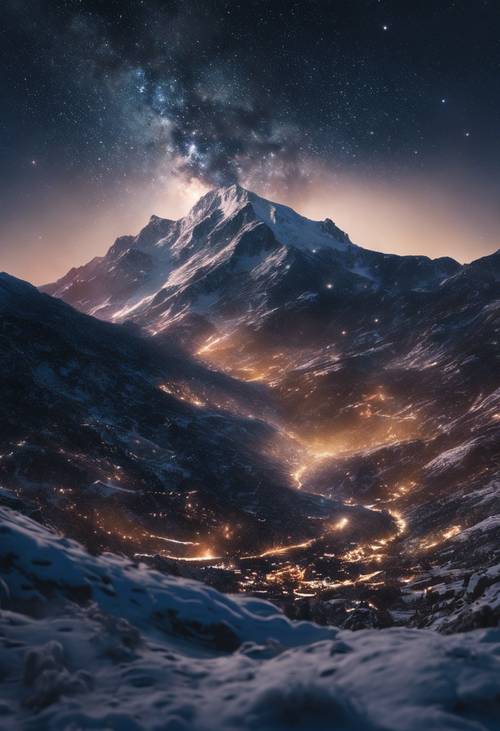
(98, 643)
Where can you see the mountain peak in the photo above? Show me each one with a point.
(288, 226)
(233, 240)
(228, 199)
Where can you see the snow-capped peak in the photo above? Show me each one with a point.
(233, 252)
(288, 226)
(228, 199)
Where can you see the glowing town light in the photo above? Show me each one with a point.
(206, 556)
(341, 524)
(367, 577)
(282, 549)
(210, 344)
(400, 521)
(298, 474)
(453, 531)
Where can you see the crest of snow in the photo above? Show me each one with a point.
(451, 457)
(271, 266)
(107, 489)
(292, 229)
(129, 308)
(487, 403)
(37, 556)
(420, 357)
(492, 522)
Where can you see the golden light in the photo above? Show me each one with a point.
(400, 521)
(341, 524)
(280, 550)
(453, 531)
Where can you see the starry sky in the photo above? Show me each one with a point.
(381, 114)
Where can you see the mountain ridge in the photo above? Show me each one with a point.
(171, 266)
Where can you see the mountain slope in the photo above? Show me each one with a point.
(126, 444)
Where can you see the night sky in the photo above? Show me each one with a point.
(384, 115)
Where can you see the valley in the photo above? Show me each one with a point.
(317, 424)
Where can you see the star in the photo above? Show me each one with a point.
(385, 27)
(443, 101)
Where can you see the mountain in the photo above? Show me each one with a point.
(232, 260)
(384, 370)
(118, 440)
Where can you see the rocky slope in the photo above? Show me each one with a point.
(129, 445)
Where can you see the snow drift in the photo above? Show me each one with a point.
(101, 643)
